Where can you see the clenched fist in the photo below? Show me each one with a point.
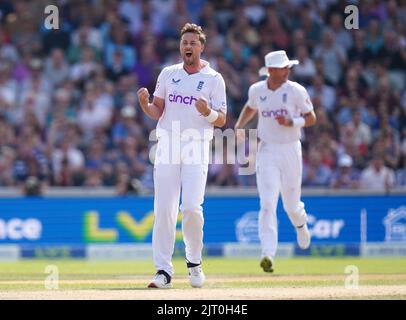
(283, 121)
(143, 97)
(202, 106)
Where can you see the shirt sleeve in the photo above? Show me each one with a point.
(218, 98)
(251, 98)
(160, 89)
(303, 101)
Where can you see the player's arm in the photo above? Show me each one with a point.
(310, 119)
(307, 120)
(215, 117)
(155, 109)
(246, 116)
(221, 120)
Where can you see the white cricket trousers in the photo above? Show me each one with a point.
(279, 170)
(185, 175)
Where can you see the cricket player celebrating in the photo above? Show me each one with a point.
(189, 98)
(283, 108)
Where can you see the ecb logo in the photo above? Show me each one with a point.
(200, 86)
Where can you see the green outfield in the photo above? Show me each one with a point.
(115, 278)
(27, 270)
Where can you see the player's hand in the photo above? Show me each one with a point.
(283, 121)
(143, 97)
(202, 106)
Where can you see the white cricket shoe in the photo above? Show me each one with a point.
(196, 276)
(303, 236)
(162, 280)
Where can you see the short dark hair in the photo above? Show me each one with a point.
(194, 28)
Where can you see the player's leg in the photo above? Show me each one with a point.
(194, 177)
(166, 207)
(268, 182)
(291, 180)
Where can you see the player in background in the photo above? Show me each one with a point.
(283, 108)
(188, 96)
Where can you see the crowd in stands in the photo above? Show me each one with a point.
(69, 113)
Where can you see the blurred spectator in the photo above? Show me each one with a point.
(26, 37)
(126, 126)
(21, 70)
(128, 153)
(160, 13)
(125, 186)
(333, 58)
(30, 159)
(118, 41)
(88, 35)
(81, 42)
(146, 67)
(374, 41)
(8, 92)
(37, 80)
(306, 69)
(68, 164)
(117, 69)
(254, 11)
(7, 158)
(85, 67)
(309, 23)
(6, 7)
(401, 175)
(95, 111)
(275, 29)
(326, 93)
(32, 187)
(384, 96)
(56, 69)
(387, 143)
(358, 50)
(7, 50)
(360, 131)
(194, 7)
(377, 177)
(315, 173)
(93, 178)
(36, 103)
(132, 10)
(354, 104)
(342, 37)
(345, 176)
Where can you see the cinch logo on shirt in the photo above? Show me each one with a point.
(274, 113)
(181, 99)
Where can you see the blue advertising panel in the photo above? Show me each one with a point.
(81, 221)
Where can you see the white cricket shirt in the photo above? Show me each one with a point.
(290, 100)
(180, 91)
